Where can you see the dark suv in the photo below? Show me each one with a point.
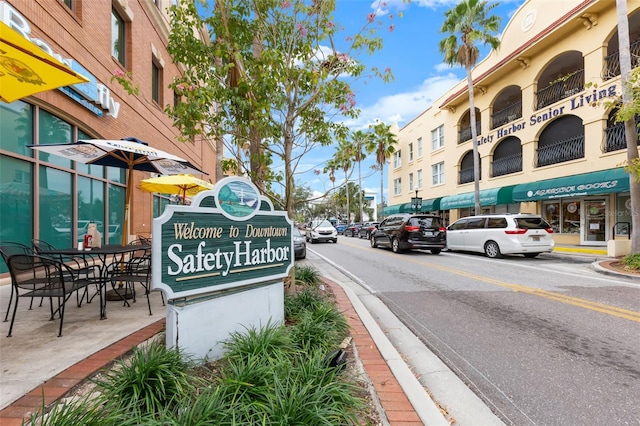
(408, 231)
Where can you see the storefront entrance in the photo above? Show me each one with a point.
(595, 225)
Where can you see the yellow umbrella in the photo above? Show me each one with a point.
(26, 69)
(182, 184)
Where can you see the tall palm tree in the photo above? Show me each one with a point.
(359, 142)
(631, 132)
(383, 143)
(331, 167)
(344, 156)
(467, 24)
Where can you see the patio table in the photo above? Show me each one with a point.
(107, 254)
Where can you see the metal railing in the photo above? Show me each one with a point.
(625, 230)
(560, 89)
(615, 139)
(465, 176)
(506, 115)
(561, 151)
(612, 61)
(465, 134)
(506, 165)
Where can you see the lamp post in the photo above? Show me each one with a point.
(416, 203)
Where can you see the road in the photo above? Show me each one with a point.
(545, 341)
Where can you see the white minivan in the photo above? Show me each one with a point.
(498, 234)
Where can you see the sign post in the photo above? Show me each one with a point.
(221, 262)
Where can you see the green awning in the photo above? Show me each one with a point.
(488, 197)
(431, 204)
(602, 182)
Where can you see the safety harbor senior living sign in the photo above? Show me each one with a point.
(229, 236)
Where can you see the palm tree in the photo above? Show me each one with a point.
(359, 141)
(467, 24)
(383, 143)
(631, 132)
(344, 157)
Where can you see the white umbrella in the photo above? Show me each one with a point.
(129, 153)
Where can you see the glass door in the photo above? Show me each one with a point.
(594, 229)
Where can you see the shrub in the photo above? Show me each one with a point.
(632, 261)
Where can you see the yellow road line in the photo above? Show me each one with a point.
(575, 301)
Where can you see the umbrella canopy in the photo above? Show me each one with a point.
(129, 153)
(183, 184)
(26, 69)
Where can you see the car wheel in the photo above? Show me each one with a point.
(492, 249)
(395, 245)
(335, 241)
(435, 251)
(373, 242)
(530, 255)
(313, 241)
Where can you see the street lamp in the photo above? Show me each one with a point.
(416, 202)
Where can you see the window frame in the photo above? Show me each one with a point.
(437, 138)
(437, 173)
(397, 186)
(397, 159)
(116, 18)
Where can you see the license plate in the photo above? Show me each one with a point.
(428, 234)
(536, 237)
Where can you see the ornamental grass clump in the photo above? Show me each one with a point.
(631, 261)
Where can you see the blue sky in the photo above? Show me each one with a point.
(411, 51)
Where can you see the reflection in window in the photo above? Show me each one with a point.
(52, 129)
(117, 37)
(571, 217)
(551, 213)
(97, 171)
(116, 214)
(90, 206)
(55, 207)
(16, 127)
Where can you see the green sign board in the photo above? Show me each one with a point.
(229, 236)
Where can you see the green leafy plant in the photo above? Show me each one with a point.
(307, 275)
(631, 261)
(125, 79)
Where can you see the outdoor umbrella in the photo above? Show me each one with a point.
(176, 184)
(128, 153)
(26, 69)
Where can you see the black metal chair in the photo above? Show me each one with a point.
(8, 249)
(38, 276)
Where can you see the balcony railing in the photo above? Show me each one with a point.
(612, 61)
(506, 115)
(615, 138)
(561, 151)
(561, 89)
(506, 165)
(466, 175)
(465, 134)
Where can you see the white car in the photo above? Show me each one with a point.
(321, 230)
(498, 234)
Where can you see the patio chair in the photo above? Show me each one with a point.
(38, 276)
(78, 265)
(8, 249)
(127, 272)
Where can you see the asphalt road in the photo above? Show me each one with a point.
(545, 341)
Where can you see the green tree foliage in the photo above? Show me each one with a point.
(468, 24)
(266, 76)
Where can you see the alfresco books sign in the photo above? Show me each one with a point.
(229, 236)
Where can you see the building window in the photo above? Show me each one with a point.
(397, 186)
(410, 181)
(419, 147)
(397, 159)
(68, 3)
(437, 138)
(437, 173)
(118, 37)
(158, 3)
(419, 182)
(411, 151)
(156, 82)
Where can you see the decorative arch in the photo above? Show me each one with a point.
(611, 63)
(465, 174)
(561, 140)
(563, 77)
(464, 125)
(507, 106)
(507, 157)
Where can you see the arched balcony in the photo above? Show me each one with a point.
(612, 60)
(614, 136)
(562, 140)
(464, 134)
(507, 157)
(562, 78)
(507, 106)
(466, 168)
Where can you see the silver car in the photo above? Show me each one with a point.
(498, 234)
(321, 230)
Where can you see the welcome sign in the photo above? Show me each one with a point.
(229, 236)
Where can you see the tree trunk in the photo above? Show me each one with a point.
(360, 186)
(629, 126)
(474, 138)
(381, 191)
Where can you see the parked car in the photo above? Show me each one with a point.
(498, 234)
(340, 228)
(406, 231)
(352, 229)
(321, 230)
(299, 244)
(366, 228)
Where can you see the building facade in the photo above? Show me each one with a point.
(49, 198)
(546, 141)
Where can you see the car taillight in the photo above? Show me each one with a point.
(411, 228)
(517, 231)
(442, 229)
(549, 230)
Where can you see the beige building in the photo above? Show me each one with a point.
(547, 143)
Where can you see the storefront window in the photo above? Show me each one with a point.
(116, 214)
(551, 213)
(16, 127)
(571, 217)
(622, 220)
(97, 171)
(56, 217)
(90, 206)
(16, 202)
(52, 129)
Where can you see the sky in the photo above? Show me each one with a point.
(411, 34)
